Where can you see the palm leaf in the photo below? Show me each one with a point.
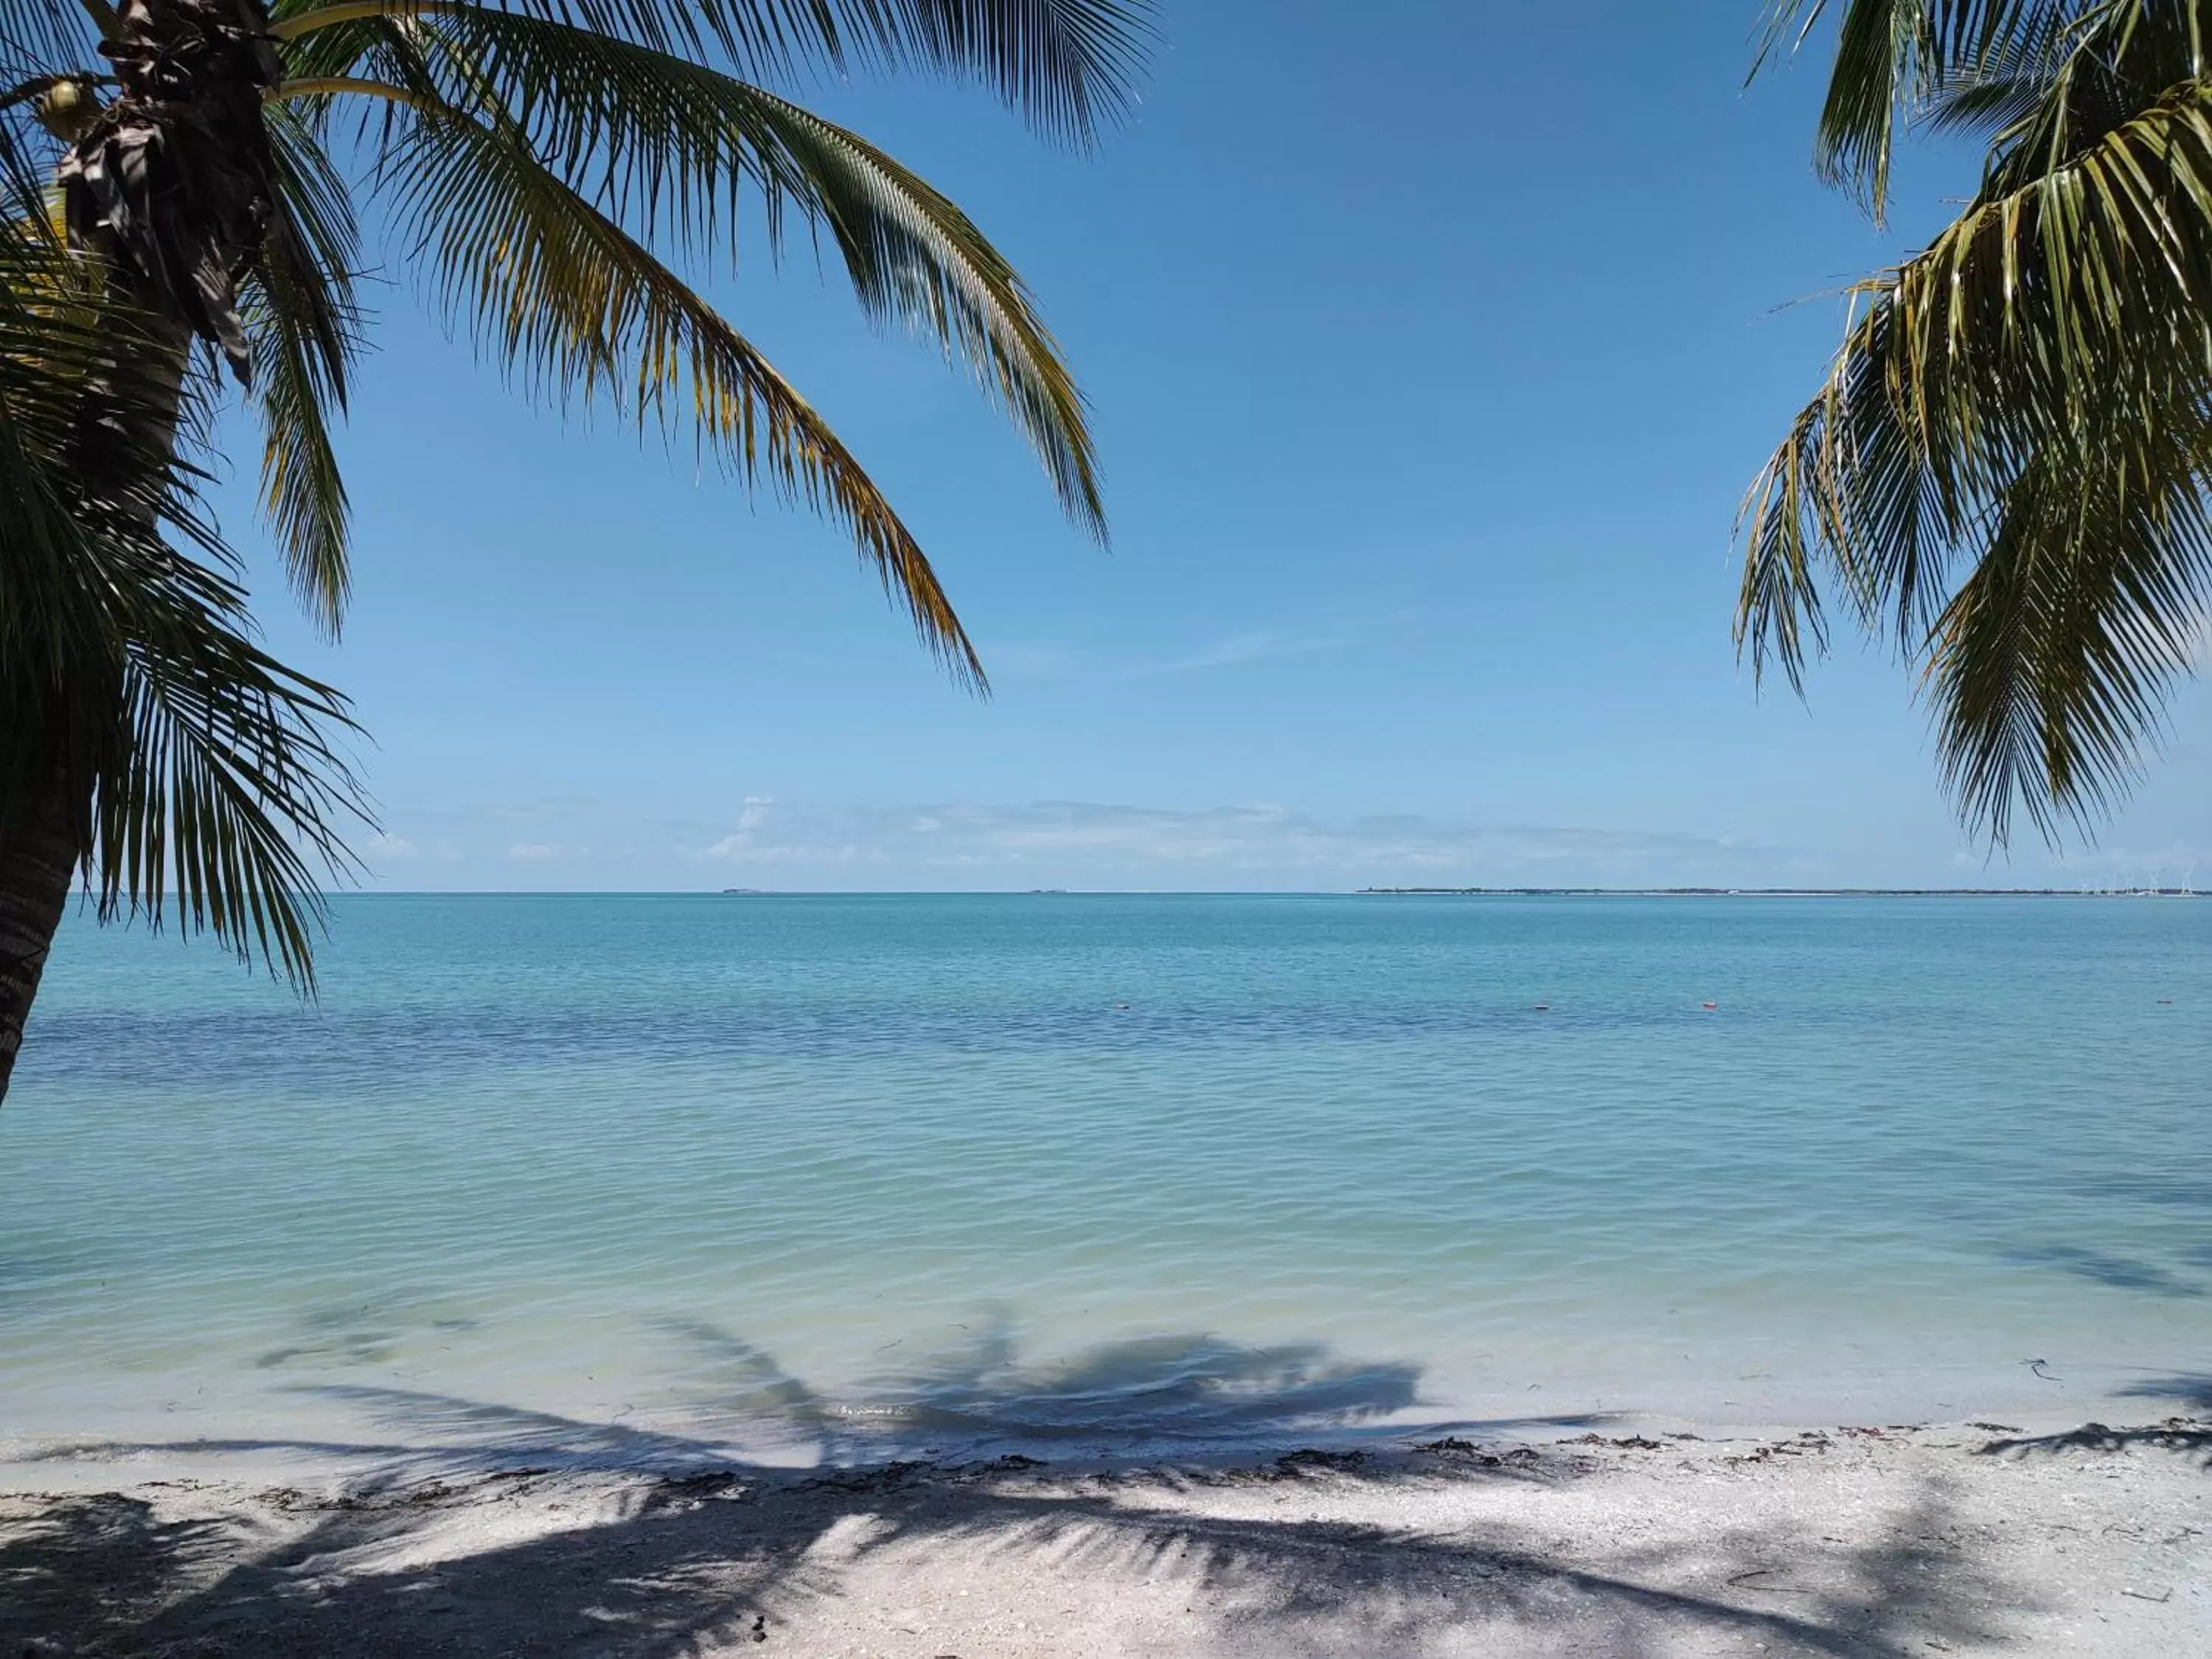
(668, 146)
(579, 311)
(1071, 66)
(208, 786)
(1895, 58)
(303, 321)
(2006, 79)
(39, 37)
(47, 349)
(2048, 668)
(222, 787)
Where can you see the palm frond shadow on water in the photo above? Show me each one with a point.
(713, 1552)
(1152, 1395)
(1169, 1397)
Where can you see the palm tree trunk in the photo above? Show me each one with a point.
(38, 863)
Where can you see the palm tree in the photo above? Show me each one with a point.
(2005, 471)
(541, 163)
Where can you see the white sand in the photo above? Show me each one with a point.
(1920, 1542)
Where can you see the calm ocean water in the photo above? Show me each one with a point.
(643, 1179)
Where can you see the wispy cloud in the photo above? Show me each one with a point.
(386, 847)
(1038, 661)
(1237, 650)
(960, 845)
(1068, 843)
(1018, 659)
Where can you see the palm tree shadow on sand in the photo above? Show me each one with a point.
(689, 1565)
(666, 1545)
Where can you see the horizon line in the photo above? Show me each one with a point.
(1697, 891)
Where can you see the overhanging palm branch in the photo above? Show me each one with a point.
(2006, 470)
(580, 309)
(1070, 66)
(670, 148)
(649, 146)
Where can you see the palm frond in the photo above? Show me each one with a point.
(47, 348)
(915, 258)
(2006, 79)
(1896, 59)
(207, 782)
(2048, 669)
(60, 334)
(580, 311)
(666, 146)
(27, 154)
(37, 37)
(303, 490)
(224, 787)
(1070, 66)
(2096, 75)
(1883, 66)
(2033, 393)
(303, 320)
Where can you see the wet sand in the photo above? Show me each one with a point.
(1926, 1541)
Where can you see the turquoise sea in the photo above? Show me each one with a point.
(646, 1179)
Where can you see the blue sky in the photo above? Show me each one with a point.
(1431, 347)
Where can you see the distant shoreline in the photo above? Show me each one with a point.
(1776, 892)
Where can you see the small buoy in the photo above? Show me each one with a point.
(1712, 1004)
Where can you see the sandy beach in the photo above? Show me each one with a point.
(1984, 1538)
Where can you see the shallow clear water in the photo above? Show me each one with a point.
(633, 1178)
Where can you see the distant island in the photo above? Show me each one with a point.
(1787, 892)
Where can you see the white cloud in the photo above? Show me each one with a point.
(758, 840)
(385, 848)
(1068, 843)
